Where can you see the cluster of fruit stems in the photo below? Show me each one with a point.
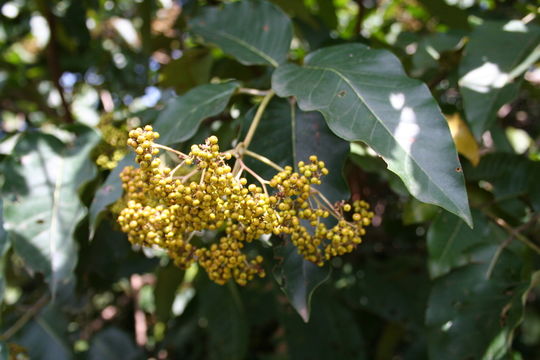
(242, 149)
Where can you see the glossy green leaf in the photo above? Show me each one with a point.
(41, 219)
(365, 95)
(493, 51)
(108, 193)
(190, 70)
(255, 32)
(45, 336)
(300, 135)
(221, 307)
(182, 116)
(113, 343)
(332, 333)
(168, 278)
(451, 243)
(471, 316)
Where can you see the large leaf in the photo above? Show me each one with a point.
(447, 14)
(108, 193)
(365, 95)
(4, 246)
(494, 50)
(470, 316)
(113, 343)
(332, 333)
(300, 135)
(451, 243)
(41, 218)
(221, 307)
(255, 32)
(168, 278)
(181, 117)
(45, 336)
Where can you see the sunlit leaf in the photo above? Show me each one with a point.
(493, 51)
(41, 219)
(465, 142)
(365, 95)
(255, 32)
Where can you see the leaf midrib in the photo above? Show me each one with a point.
(248, 46)
(343, 78)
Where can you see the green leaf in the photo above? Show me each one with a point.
(191, 70)
(365, 95)
(222, 308)
(300, 135)
(4, 246)
(168, 279)
(470, 316)
(451, 243)
(447, 14)
(493, 51)
(298, 278)
(181, 117)
(4, 351)
(41, 219)
(332, 333)
(510, 175)
(113, 343)
(108, 193)
(255, 32)
(431, 49)
(45, 336)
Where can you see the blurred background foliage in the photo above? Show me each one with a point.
(74, 75)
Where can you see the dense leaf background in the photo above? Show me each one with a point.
(427, 109)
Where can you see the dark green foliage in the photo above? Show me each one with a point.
(448, 270)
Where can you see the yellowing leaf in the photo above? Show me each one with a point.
(466, 145)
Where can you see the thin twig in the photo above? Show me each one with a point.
(163, 147)
(263, 159)
(255, 92)
(27, 316)
(255, 175)
(257, 118)
(516, 233)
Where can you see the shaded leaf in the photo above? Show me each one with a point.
(168, 279)
(4, 351)
(222, 308)
(470, 316)
(45, 336)
(108, 193)
(300, 135)
(4, 247)
(431, 49)
(331, 333)
(451, 243)
(493, 51)
(182, 116)
(365, 95)
(113, 343)
(298, 278)
(255, 32)
(447, 14)
(190, 70)
(41, 220)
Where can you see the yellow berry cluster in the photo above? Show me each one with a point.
(113, 149)
(166, 209)
(305, 211)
